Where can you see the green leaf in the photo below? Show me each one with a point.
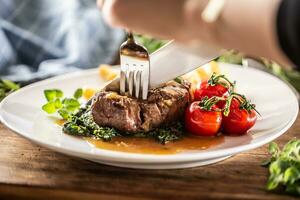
(59, 93)
(53, 94)
(178, 80)
(291, 175)
(11, 85)
(272, 183)
(64, 107)
(7, 87)
(2, 93)
(50, 95)
(266, 163)
(231, 57)
(49, 107)
(78, 93)
(274, 149)
(58, 104)
(291, 148)
(284, 167)
(150, 43)
(71, 104)
(275, 168)
(64, 113)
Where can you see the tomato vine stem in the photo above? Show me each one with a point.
(222, 80)
(244, 103)
(207, 103)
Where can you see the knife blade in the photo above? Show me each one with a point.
(171, 61)
(174, 60)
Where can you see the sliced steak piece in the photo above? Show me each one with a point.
(164, 105)
(113, 110)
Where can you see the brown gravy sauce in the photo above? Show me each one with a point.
(150, 146)
(60, 122)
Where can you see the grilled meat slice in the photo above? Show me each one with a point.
(164, 105)
(113, 110)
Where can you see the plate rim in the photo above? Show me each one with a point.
(108, 155)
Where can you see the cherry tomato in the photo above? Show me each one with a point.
(207, 90)
(201, 122)
(239, 120)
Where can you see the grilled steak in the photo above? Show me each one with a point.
(163, 106)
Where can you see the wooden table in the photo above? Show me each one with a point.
(28, 171)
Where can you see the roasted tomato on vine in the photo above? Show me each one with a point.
(203, 118)
(217, 85)
(239, 115)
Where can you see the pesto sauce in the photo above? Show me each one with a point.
(82, 124)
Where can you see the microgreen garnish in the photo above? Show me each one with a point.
(78, 93)
(284, 167)
(53, 94)
(63, 106)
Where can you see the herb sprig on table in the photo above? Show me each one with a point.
(7, 87)
(284, 167)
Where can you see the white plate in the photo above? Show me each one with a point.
(21, 112)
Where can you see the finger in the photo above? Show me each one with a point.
(153, 17)
(100, 3)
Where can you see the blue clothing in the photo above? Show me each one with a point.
(41, 38)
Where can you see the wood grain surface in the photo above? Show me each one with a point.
(28, 171)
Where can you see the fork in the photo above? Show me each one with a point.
(135, 69)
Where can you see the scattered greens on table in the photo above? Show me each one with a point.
(284, 167)
(7, 87)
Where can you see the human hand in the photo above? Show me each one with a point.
(166, 19)
(243, 24)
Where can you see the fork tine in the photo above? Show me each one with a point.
(122, 82)
(137, 80)
(145, 83)
(130, 82)
(134, 76)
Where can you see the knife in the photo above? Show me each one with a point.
(173, 60)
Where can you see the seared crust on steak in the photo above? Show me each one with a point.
(164, 105)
